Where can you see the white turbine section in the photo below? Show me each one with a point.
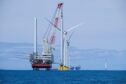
(66, 51)
(35, 35)
(66, 44)
(62, 39)
(74, 27)
(65, 41)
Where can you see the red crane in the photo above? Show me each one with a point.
(46, 59)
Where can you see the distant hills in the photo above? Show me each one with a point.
(15, 56)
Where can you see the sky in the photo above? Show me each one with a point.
(104, 23)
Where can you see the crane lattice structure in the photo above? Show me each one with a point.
(46, 59)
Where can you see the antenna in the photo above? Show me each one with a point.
(35, 36)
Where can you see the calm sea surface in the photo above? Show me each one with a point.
(62, 77)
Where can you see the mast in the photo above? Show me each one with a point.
(35, 36)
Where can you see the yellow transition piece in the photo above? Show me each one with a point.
(64, 68)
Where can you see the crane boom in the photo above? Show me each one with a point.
(46, 59)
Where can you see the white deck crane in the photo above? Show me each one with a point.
(46, 59)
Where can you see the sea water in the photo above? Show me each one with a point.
(62, 77)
